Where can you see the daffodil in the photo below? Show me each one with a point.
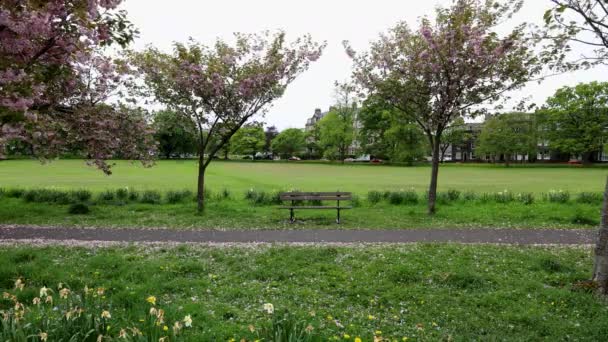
(122, 333)
(106, 314)
(36, 301)
(371, 317)
(43, 336)
(151, 300)
(44, 291)
(346, 336)
(357, 339)
(188, 321)
(19, 284)
(269, 308)
(177, 326)
(165, 328)
(64, 292)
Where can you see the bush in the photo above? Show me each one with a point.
(250, 194)
(355, 201)
(224, 194)
(133, 195)
(122, 194)
(526, 198)
(80, 315)
(374, 197)
(260, 197)
(590, 197)
(79, 209)
(81, 195)
(558, 196)
(106, 196)
(486, 197)
(504, 197)
(174, 197)
(583, 220)
(150, 197)
(15, 193)
(46, 196)
(408, 197)
(453, 195)
(469, 196)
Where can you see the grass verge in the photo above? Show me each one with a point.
(418, 292)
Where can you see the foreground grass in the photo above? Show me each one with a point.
(240, 214)
(240, 176)
(422, 292)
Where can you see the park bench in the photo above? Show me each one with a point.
(298, 198)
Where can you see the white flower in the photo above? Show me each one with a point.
(44, 291)
(269, 308)
(188, 321)
(106, 314)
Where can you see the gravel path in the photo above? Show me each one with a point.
(492, 236)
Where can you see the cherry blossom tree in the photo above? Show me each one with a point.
(55, 85)
(447, 68)
(223, 86)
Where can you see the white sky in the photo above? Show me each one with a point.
(359, 21)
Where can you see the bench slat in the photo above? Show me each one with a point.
(317, 193)
(322, 198)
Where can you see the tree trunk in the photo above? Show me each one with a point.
(600, 269)
(200, 194)
(507, 159)
(434, 175)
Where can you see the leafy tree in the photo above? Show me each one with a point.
(248, 140)
(455, 135)
(509, 135)
(55, 86)
(336, 129)
(576, 22)
(222, 87)
(270, 133)
(387, 133)
(175, 134)
(577, 119)
(289, 142)
(447, 68)
(314, 150)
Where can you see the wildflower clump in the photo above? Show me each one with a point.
(67, 314)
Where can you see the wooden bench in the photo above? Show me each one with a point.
(298, 197)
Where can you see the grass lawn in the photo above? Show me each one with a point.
(421, 291)
(240, 214)
(240, 176)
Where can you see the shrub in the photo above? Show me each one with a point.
(133, 195)
(407, 197)
(150, 197)
(46, 196)
(355, 201)
(526, 198)
(106, 196)
(486, 197)
(453, 195)
(122, 194)
(15, 193)
(81, 195)
(504, 197)
(80, 315)
(558, 196)
(178, 196)
(374, 197)
(590, 197)
(469, 196)
(250, 194)
(79, 209)
(224, 194)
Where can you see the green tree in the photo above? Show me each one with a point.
(289, 142)
(508, 135)
(387, 133)
(175, 133)
(577, 119)
(270, 133)
(455, 135)
(336, 129)
(248, 140)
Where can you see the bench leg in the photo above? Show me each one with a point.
(338, 217)
(291, 216)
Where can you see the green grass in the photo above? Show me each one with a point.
(240, 176)
(240, 214)
(424, 292)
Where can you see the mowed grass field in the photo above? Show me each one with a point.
(240, 176)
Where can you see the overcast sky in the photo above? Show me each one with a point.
(359, 21)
